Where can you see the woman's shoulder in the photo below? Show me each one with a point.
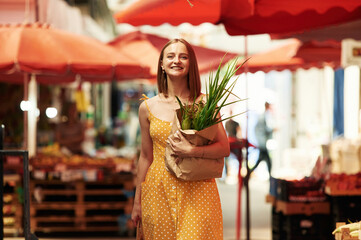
(148, 103)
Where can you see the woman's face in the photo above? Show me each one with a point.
(176, 60)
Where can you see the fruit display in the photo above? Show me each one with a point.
(347, 231)
(77, 167)
(302, 190)
(344, 184)
(76, 160)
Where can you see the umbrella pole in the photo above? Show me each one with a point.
(26, 92)
(246, 180)
(2, 136)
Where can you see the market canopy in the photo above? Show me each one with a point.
(264, 16)
(336, 32)
(56, 56)
(175, 12)
(294, 55)
(149, 46)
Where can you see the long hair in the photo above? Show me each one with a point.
(193, 78)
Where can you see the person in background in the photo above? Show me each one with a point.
(263, 132)
(70, 133)
(233, 128)
(169, 208)
(231, 163)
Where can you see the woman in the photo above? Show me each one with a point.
(167, 207)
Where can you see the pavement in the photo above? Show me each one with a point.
(260, 211)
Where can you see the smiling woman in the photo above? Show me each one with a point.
(176, 61)
(168, 207)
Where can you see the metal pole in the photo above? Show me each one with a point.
(238, 145)
(246, 180)
(26, 179)
(2, 128)
(26, 98)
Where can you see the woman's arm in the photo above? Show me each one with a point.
(145, 160)
(217, 149)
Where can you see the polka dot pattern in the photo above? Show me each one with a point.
(176, 209)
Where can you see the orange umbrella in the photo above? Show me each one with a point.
(294, 55)
(149, 46)
(56, 56)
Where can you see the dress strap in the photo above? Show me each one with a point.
(144, 98)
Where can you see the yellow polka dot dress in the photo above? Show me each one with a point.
(176, 209)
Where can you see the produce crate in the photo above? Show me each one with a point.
(82, 206)
(299, 226)
(292, 208)
(345, 208)
(344, 185)
(306, 208)
(12, 205)
(307, 189)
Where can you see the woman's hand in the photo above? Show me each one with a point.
(136, 213)
(180, 145)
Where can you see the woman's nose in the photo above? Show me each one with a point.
(177, 59)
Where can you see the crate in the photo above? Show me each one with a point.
(345, 208)
(306, 208)
(81, 206)
(344, 185)
(299, 226)
(292, 208)
(12, 206)
(307, 189)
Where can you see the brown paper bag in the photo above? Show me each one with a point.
(193, 169)
(139, 235)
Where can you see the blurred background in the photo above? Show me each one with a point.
(101, 55)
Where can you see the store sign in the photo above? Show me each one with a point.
(350, 53)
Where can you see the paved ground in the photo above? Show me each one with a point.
(260, 211)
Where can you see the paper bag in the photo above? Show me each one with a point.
(193, 169)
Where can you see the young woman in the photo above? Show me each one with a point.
(170, 208)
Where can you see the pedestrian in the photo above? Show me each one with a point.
(169, 208)
(233, 128)
(263, 132)
(231, 164)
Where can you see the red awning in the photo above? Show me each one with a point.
(294, 55)
(264, 16)
(284, 16)
(149, 46)
(175, 12)
(334, 32)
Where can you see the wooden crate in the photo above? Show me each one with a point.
(292, 208)
(80, 206)
(12, 207)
